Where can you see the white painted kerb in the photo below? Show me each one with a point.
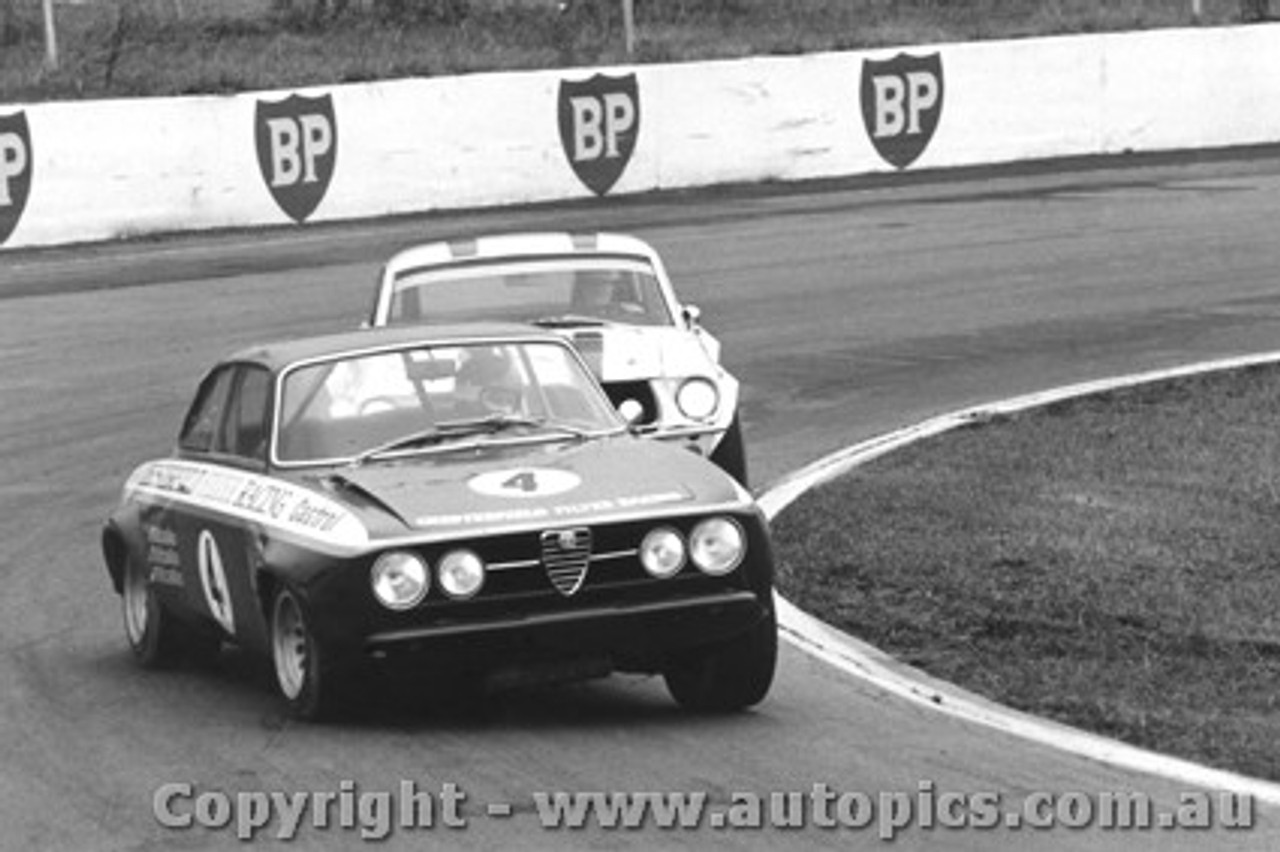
(868, 663)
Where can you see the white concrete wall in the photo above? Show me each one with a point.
(111, 169)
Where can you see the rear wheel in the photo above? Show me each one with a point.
(156, 637)
(730, 454)
(729, 675)
(304, 677)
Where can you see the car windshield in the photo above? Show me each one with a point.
(558, 291)
(429, 398)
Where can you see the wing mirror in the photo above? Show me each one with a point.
(692, 313)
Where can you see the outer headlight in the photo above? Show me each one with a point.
(662, 552)
(400, 579)
(717, 545)
(461, 574)
(698, 398)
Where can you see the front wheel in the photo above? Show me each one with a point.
(730, 675)
(304, 676)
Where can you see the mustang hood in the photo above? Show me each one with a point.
(619, 353)
(539, 485)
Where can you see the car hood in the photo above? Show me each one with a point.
(617, 353)
(497, 488)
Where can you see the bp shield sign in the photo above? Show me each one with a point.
(16, 166)
(901, 105)
(297, 143)
(599, 122)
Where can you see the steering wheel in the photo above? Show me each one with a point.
(377, 404)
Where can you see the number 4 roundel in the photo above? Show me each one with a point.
(524, 482)
(213, 577)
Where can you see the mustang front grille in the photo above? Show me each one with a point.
(565, 555)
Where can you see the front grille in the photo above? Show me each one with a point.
(565, 554)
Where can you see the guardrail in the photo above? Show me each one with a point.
(83, 171)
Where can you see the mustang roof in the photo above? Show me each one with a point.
(280, 354)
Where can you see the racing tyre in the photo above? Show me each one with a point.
(730, 455)
(156, 637)
(304, 677)
(730, 675)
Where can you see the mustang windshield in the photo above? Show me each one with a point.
(557, 291)
(353, 408)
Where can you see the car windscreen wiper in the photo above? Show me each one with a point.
(447, 430)
(568, 321)
(500, 422)
(430, 435)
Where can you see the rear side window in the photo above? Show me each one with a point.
(244, 432)
(206, 412)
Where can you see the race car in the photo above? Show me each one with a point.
(607, 293)
(460, 501)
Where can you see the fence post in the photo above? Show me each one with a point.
(629, 24)
(50, 38)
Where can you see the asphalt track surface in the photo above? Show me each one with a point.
(847, 311)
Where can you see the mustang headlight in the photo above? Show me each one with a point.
(400, 579)
(662, 552)
(461, 574)
(698, 398)
(717, 545)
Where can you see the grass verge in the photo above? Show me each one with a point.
(135, 48)
(1111, 562)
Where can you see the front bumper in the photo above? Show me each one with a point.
(637, 636)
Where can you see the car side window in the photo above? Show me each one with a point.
(244, 430)
(205, 414)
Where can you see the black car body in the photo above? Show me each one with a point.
(347, 498)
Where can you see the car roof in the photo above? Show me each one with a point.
(278, 355)
(522, 245)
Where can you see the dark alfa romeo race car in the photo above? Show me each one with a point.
(454, 500)
(611, 296)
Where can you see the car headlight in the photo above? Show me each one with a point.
(400, 579)
(461, 574)
(698, 398)
(717, 545)
(662, 552)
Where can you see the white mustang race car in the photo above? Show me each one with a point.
(607, 293)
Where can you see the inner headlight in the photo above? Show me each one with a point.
(717, 545)
(662, 552)
(698, 398)
(461, 574)
(400, 579)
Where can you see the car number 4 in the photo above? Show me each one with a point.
(525, 481)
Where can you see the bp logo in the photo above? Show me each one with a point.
(15, 170)
(901, 105)
(297, 141)
(599, 123)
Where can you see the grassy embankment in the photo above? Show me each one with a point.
(131, 48)
(1109, 562)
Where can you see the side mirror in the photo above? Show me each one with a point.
(631, 411)
(692, 313)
